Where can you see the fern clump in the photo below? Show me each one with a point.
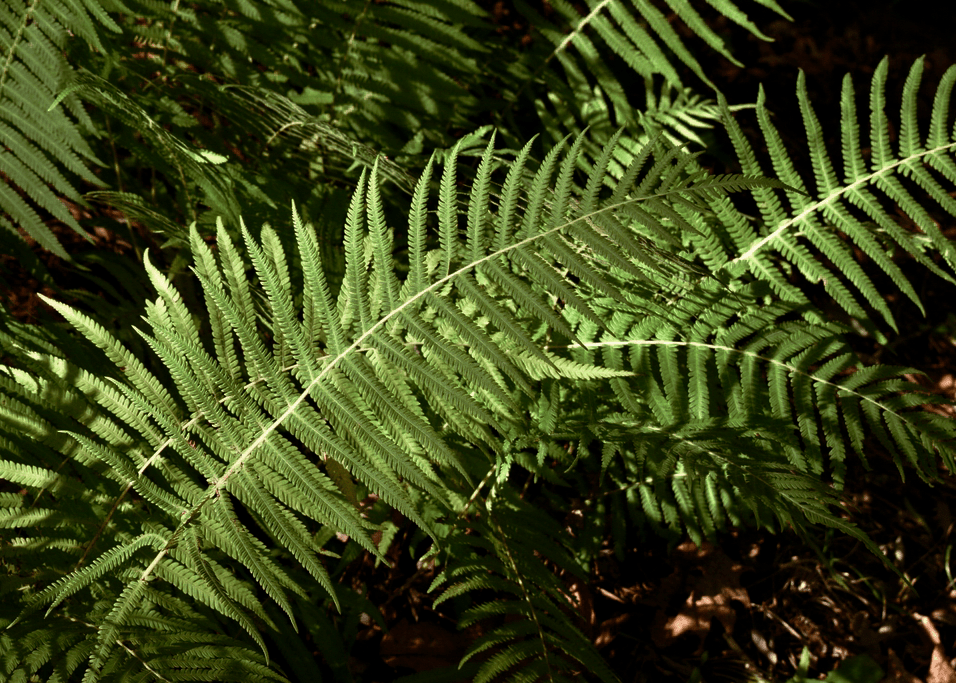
(608, 318)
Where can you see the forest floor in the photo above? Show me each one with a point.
(750, 605)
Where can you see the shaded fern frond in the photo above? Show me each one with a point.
(703, 356)
(163, 152)
(525, 608)
(42, 141)
(724, 409)
(379, 68)
(636, 32)
(702, 477)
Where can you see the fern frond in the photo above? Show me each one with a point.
(856, 201)
(537, 641)
(563, 311)
(359, 392)
(706, 369)
(41, 138)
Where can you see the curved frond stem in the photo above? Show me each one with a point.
(568, 39)
(732, 349)
(829, 200)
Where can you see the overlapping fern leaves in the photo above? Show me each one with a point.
(330, 59)
(610, 311)
(717, 377)
(278, 420)
(355, 389)
(394, 77)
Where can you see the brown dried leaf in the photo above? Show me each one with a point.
(710, 598)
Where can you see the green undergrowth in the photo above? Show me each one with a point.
(392, 267)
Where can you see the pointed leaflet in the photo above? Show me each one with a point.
(430, 378)
(448, 211)
(525, 297)
(510, 193)
(108, 630)
(579, 267)
(174, 432)
(421, 435)
(234, 270)
(391, 411)
(180, 316)
(598, 174)
(882, 150)
(362, 425)
(532, 222)
(554, 282)
(123, 471)
(353, 301)
(455, 358)
(909, 140)
(381, 243)
(629, 178)
(285, 324)
(417, 215)
(300, 485)
(197, 387)
(222, 337)
(659, 23)
(326, 315)
(478, 206)
(911, 147)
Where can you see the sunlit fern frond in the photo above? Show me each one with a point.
(287, 416)
(856, 194)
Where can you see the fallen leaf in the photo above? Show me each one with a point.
(710, 598)
(940, 670)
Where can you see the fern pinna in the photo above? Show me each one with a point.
(544, 311)
(857, 201)
(42, 143)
